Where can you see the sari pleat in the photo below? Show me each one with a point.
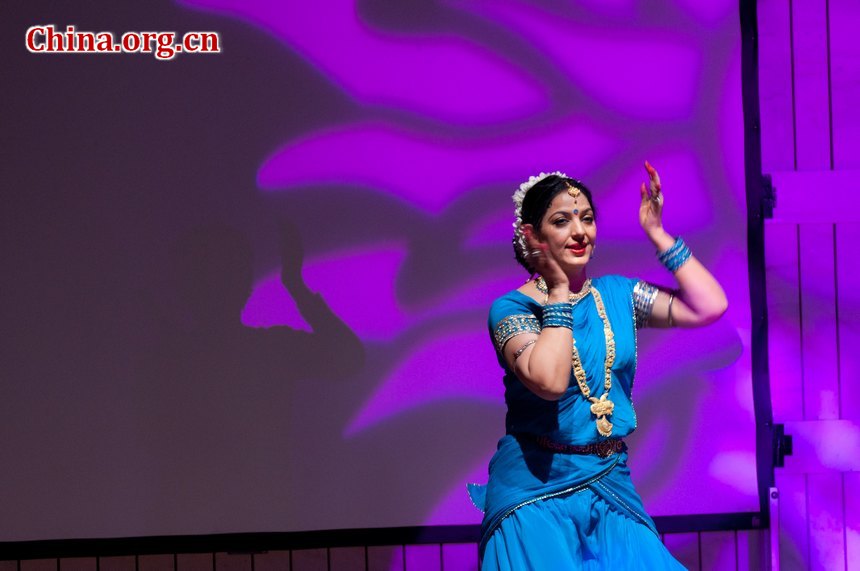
(550, 510)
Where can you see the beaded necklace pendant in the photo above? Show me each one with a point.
(601, 407)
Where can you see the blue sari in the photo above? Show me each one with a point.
(551, 510)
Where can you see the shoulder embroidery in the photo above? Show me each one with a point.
(514, 325)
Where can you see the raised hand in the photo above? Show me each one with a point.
(542, 260)
(651, 206)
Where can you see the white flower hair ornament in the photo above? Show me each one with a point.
(518, 197)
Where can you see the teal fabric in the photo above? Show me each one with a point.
(588, 502)
(578, 531)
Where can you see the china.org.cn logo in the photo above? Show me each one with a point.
(164, 45)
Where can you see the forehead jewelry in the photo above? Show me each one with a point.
(574, 192)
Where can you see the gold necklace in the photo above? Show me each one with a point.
(601, 407)
(574, 298)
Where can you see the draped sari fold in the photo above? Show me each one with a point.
(526, 477)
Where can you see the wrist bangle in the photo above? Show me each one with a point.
(558, 315)
(676, 256)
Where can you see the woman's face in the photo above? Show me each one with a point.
(569, 230)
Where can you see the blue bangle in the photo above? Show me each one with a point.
(558, 315)
(676, 247)
(566, 323)
(564, 308)
(678, 260)
(676, 256)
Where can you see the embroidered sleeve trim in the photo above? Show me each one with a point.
(514, 325)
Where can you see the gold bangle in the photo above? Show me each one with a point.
(671, 299)
(523, 348)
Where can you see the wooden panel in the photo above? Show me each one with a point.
(719, 551)
(347, 559)
(827, 548)
(195, 562)
(822, 446)
(783, 295)
(232, 562)
(793, 528)
(851, 509)
(685, 548)
(385, 558)
(78, 564)
(272, 561)
(126, 563)
(848, 288)
(423, 558)
(155, 563)
(8, 566)
(310, 560)
(811, 89)
(753, 550)
(818, 322)
(775, 96)
(460, 557)
(821, 196)
(845, 81)
(39, 565)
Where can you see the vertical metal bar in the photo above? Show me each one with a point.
(756, 196)
(699, 545)
(773, 501)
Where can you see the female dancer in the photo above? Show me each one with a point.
(559, 494)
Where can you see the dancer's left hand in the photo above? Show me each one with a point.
(651, 207)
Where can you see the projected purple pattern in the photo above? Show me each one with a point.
(405, 71)
(635, 87)
(447, 124)
(381, 157)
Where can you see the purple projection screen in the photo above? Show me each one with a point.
(168, 367)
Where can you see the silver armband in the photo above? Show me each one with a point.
(644, 295)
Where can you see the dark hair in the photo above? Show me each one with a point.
(537, 200)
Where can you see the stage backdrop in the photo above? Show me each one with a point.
(167, 365)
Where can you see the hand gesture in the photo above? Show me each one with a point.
(651, 207)
(542, 260)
